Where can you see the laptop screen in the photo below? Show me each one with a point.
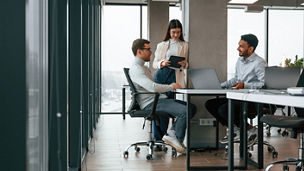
(281, 77)
(204, 78)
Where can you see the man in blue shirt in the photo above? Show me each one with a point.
(249, 73)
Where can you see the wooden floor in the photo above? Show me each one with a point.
(113, 135)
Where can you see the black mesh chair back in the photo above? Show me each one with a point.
(134, 105)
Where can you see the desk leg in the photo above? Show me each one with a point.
(230, 134)
(260, 138)
(188, 134)
(123, 103)
(244, 142)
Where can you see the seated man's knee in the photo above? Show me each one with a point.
(223, 109)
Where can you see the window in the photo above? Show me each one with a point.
(285, 35)
(240, 23)
(118, 31)
(175, 13)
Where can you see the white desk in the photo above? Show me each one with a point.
(258, 97)
(203, 92)
(268, 97)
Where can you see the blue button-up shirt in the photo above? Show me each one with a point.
(250, 71)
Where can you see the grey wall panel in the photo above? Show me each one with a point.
(158, 18)
(207, 31)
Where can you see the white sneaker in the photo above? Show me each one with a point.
(236, 136)
(173, 141)
(171, 133)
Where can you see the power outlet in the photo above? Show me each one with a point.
(207, 122)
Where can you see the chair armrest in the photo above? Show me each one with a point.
(145, 92)
(156, 97)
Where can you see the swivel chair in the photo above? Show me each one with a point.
(297, 125)
(135, 112)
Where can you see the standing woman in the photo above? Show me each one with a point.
(173, 44)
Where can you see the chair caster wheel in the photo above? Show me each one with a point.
(270, 149)
(285, 168)
(148, 156)
(298, 168)
(274, 154)
(279, 130)
(125, 154)
(164, 149)
(249, 155)
(174, 153)
(268, 134)
(284, 133)
(137, 149)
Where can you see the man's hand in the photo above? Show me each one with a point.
(165, 63)
(239, 85)
(176, 86)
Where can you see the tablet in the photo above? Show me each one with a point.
(174, 61)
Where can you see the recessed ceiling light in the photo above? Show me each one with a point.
(302, 3)
(242, 1)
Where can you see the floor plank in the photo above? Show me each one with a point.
(113, 135)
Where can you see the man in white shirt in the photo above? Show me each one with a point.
(249, 73)
(143, 81)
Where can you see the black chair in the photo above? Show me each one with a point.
(280, 78)
(135, 112)
(294, 123)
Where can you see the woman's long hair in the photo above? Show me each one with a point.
(172, 25)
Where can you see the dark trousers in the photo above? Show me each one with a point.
(219, 109)
(177, 109)
(164, 75)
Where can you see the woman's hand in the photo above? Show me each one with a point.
(183, 63)
(165, 63)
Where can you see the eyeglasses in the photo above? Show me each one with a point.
(149, 49)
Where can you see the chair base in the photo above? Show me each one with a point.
(289, 161)
(270, 148)
(151, 145)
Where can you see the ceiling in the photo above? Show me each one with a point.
(269, 3)
(126, 1)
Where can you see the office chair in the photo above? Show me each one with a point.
(280, 78)
(297, 125)
(135, 112)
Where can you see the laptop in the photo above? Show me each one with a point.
(204, 78)
(280, 77)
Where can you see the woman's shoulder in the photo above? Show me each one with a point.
(184, 43)
(163, 43)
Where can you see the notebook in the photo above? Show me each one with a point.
(204, 78)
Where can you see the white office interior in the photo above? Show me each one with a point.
(70, 57)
